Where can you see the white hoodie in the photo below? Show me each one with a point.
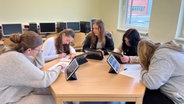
(166, 71)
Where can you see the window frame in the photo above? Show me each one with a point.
(121, 19)
(180, 26)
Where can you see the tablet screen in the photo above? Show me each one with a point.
(117, 56)
(83, 55)
(72, 67)
(81, 59)
(113, 63)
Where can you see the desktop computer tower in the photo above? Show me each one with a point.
(61, 26)
(85, 26)
(33, 27)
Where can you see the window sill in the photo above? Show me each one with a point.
(179, 39)
(143, 33)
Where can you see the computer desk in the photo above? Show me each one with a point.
(94, 83)
(2, 41)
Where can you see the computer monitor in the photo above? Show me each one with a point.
(74, 26)
(115, 66)
(61, 26)
(47, 27)
(85, 26)
(33, 27)
(8, 29)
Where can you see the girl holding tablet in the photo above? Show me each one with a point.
(128, 47)
(99, 38)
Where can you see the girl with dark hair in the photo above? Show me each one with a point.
(99, 38)
(128, 47)
(59, 46)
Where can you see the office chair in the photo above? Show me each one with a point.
(51, 35)
(8, 42)
(78, 41)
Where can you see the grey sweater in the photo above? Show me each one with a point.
(19, 76)
(166, 71)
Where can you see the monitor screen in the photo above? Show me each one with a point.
(33, 27)
(115, 66)
(61, 26)
(47, 27)
(85, 26)
(8, 29)
(74, 25)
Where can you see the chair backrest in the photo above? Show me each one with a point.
(78, 40)
(7, 42)
(51, 35)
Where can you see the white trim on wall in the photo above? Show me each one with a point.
(180, 27)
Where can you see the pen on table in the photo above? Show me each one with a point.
(125, 69)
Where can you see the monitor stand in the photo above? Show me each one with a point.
(73, 77)
(112, 71)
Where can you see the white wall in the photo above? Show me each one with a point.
(164, 19)
(26, 11)
(162, 26)
(109, 13)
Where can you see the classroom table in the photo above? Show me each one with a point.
(95, 83)
(1, 43)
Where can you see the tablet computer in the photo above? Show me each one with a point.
(115, 66)
(81, 59)
(71, 69)
(94, 54)
(117, 56)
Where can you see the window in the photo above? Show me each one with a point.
(134, 14)
(180, 26)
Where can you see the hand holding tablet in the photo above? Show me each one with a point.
(118, 56)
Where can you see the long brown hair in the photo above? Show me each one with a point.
(21, 43)
(63, 48)
(102, 30)
(146, 49)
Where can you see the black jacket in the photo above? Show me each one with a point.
(109, 44)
